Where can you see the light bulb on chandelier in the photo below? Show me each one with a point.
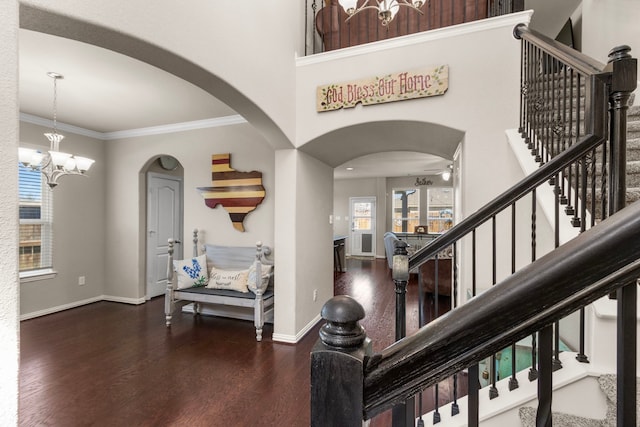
(53, 164)
(387, 9)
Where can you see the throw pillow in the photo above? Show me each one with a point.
(235, 280)
(191, 272)
(266, 275)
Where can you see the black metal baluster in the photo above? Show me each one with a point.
(436, 412)
(421, 323)
(569, 210)
(545, 379)
(556, 359)
(576, 219)
(533, 372)
(537, 108)
(563, 197)
(513, 381)
(530, 96)
(493, 391)
(523, 90)
(473, 380)
(455, 409)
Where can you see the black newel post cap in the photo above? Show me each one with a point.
(342, 329)
(619, 52)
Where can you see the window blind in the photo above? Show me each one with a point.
(36, 221)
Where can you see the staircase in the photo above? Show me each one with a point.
(607, 385)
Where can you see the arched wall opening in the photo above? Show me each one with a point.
(382, 141)
(50, 22)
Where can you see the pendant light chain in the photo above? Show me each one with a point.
(55, 112)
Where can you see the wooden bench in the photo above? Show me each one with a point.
(256, 305)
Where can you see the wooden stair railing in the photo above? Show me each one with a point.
(349, 384)
(566, 135)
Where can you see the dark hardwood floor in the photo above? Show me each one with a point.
(111, 364)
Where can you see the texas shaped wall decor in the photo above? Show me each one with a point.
(238, 192)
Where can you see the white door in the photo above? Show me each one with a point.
(164, 219)
(363, 226)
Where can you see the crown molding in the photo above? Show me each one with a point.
(136, 133)
(36, 120)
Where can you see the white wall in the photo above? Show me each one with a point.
(304, 242)
(125, 203)
(610, 23)
(9, 332)
(78, 229)
(474, 52)
(219, 47)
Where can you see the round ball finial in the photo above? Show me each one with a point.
(342, 329)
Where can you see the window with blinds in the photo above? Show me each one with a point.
(36, 221)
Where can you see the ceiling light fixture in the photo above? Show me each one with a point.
(387, 9)
(54, 164)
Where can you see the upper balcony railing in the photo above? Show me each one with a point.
(327, 27)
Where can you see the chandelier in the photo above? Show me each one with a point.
(53, 164)
(387, 9)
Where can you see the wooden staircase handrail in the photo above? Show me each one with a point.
(588, 267)
(580, 62)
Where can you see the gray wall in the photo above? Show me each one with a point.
(78, 231)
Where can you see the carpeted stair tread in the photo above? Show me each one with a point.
(607, 384)
(528, 419)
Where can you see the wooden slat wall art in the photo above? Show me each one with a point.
(237, 192)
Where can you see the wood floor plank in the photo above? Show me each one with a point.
(111, 364)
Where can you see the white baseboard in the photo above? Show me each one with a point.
(56, 309)
(293, 339)
(51, 310)
(134, 301)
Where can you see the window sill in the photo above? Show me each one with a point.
(33, 276)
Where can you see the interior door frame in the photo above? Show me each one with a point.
(374, 215)
(178, 254)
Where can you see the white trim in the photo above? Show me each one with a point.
(56, 309)
(134, 301)
(134, 133)
(36, 120)
(175, 127)
(510, 20)
(293, 339)
(35, 275)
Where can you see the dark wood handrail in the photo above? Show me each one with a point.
(577, 60)
(590, 266)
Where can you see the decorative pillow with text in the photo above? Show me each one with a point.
(228, 279)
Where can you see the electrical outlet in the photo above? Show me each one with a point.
(315, 294)
(81, 280)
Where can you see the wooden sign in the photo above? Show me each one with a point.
(377, 90)
(237, 192)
